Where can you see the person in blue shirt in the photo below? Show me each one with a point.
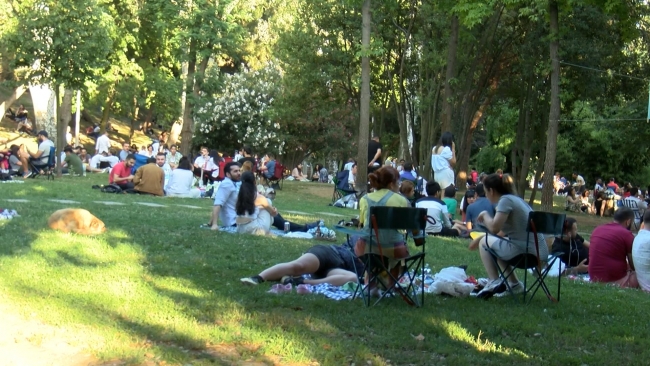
(268, 168)
(480, 204)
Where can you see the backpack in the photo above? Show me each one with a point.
(112, 188)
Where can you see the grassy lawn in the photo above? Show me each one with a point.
(155, 289)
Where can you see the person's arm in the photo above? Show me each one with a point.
(493, 224)
(264, 203)
(377, 156)
(35, 155)
(580, 268)
(452, 161)
(215, 217)
(138, 176)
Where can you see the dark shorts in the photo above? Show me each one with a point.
(446, 232)
(328, 259)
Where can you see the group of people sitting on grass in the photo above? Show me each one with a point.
(613, 255)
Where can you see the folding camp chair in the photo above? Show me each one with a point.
(376, 264)
(48, 169)
(278, 176)
(638, 215)
(341, 186)
(544, 223)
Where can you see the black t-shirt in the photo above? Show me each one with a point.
(243, 160)
(373, 146)
(574, 251)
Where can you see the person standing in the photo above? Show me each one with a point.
(374, 154)
(443, 158)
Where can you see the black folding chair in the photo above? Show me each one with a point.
(413, 220)
(638, 215)
(544, 223)
(341, 186)
(48, 169)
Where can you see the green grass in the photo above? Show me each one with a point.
(156, 288)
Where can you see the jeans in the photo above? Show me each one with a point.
(278, 222)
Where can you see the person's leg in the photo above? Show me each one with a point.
(336, 277)
(307, 263)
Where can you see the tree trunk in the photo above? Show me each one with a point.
(108, 105)
(554, 115)
(134, 119)
(64, 117)
(538, 176)
(364, 120)
(187, 132)
(18, 92)
(447, 103)
(44, 101)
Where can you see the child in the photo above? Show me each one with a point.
(468, 199)
(450, 201)
(437, 217)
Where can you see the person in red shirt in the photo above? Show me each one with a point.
(612, 184)
(610, 251)
(121, 173)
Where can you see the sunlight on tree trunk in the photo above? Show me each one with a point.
(44, 101)
(554, 115)
(364, 121)
(18, 92)
(64, 117)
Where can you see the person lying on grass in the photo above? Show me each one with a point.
(256, 214)
(510, 221)
(331, 264)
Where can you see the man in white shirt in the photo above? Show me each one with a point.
(106, 157)
(225, 198)
(599, 186)
(437, 214)
(641, 254)
(349, 164)
(636, 204)
(237, 156)
(580, 182)
(161, 161)
(40, 157)
(103, 143)
(204, 166)
(352, 177)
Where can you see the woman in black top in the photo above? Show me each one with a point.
(574, 247)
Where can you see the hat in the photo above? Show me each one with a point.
(42, 133)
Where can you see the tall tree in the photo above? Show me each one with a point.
(364, 120)
(554, 114)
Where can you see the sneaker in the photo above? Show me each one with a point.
(516, 289)
(253, 281)
(303, 289)
(495, 286)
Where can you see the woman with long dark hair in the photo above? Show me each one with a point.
(443, 158)
(572, 202)
(254, 211)
(511, 219)
(181, 180)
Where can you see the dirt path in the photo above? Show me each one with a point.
(31, 342)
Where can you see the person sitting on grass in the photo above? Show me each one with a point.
(332, 264)
(633, 200)
(480, 204)
(72, 164)
(641, 254)
(585, 205)
(315, 177)
(510, 221)
(204, 165)
(407, 189)
(150, 179)
(610, 251)
(450, 201)
(225, 199)
(574, 249)
(296, 173)
(438, 222)
(468, 199)
(572, 202)
(121, 173)
(15, 165)
(174, 157)
(384, 181)
(408, 173)
(181, 180)
(254, 211)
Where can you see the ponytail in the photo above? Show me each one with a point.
(502, 184)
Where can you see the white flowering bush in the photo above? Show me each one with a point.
(237, 113)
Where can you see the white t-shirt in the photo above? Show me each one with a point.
(348, 165)
(206, 163)
(45, 147)
(441, 161)
(103, 144)
(641, 258)
(168, 171)
(112, 160)
(180, 182)
(437, 214)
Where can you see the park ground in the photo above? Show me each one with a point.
(157, 290)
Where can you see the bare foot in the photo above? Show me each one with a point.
(214, 227)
